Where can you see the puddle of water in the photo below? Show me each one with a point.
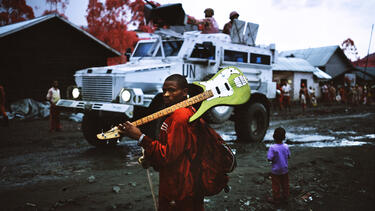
(338, 143)
(229, 137)
(369, 136)
(308, 137)
(293, 137)
(342, 132)
(317, 140)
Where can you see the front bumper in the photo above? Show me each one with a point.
(99, 106)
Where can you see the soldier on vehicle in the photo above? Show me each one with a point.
(228, 26)
(208, 25)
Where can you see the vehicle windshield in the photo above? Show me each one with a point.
(146, 49)
(171, 48)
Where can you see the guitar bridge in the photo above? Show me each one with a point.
(240, 81)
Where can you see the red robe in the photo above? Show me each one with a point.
(172, 155)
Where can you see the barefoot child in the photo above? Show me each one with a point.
(278, 154)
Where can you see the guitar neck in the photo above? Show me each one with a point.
(188, 102)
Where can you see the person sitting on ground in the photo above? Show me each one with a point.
(228, 26)
(279, 154)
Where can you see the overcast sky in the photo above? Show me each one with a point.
(290, 24)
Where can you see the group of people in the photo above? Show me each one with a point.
(307, 97)
(173, 154)
(283, 94)
(209, 25)
(330, 95)
(348, 95)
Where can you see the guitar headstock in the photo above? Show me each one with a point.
(110, 134)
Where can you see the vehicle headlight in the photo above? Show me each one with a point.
(125, 95)
(75, 93)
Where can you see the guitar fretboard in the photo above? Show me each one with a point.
(188, 102)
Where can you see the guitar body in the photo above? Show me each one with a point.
(229, 87)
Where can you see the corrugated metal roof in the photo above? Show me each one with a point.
(315, 56)
(321, 74)
(12, 28)
(292, 64)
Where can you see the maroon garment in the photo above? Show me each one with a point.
(280, 182)
(227, 27)
(54, 118)
(210, 26)
(171, 155)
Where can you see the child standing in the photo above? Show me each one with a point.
(278, 154)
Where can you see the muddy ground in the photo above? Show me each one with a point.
(332, 166)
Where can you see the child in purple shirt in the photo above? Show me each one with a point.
(278, 154)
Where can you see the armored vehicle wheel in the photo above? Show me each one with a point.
(251, 122)
(218, 114)
(92, 124)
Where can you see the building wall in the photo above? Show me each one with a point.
(52, 50)
(336, 65)
(295, 81)
(298, 76)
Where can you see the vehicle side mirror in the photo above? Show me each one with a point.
(128, 53)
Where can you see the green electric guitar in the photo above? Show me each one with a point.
(227, 87)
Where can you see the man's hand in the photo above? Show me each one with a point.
(129, 130)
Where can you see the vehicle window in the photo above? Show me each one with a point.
(144, 49)
(171, 48)
(235, 56)
(203, 52)
(260, 58)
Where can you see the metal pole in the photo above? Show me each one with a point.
(368, 51)
(152, 190)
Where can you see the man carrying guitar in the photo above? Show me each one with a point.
(172, 154)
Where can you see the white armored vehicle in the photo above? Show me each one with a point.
(113, 94)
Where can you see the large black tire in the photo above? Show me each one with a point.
(92, 124)
(218, 114)
(152, 128)
(251, 122)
